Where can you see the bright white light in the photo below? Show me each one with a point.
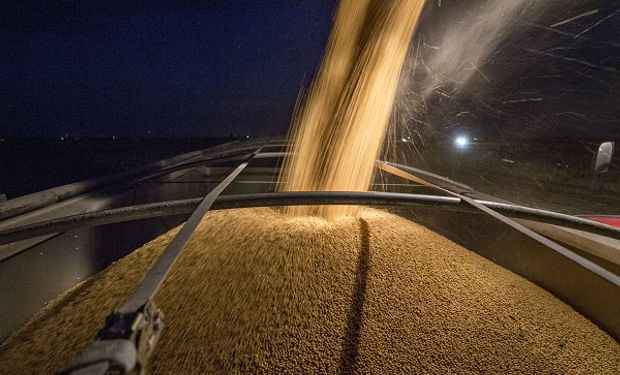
(461, 141)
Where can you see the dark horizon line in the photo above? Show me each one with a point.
(251, 136)
(124, 136)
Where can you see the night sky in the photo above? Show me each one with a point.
(202, 68)
(212, 68)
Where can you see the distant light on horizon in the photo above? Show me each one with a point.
(461, 141)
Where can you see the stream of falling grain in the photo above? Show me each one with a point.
(340, 129)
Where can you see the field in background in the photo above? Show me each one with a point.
(550, 174)
(555, 175)
(29, 165)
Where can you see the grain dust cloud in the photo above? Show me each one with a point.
(340, 128)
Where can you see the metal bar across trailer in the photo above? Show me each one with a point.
(368, 198)
(404, 172)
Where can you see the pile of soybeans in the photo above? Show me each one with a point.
(257, 291)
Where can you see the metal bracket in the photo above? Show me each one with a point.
(124, 344)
